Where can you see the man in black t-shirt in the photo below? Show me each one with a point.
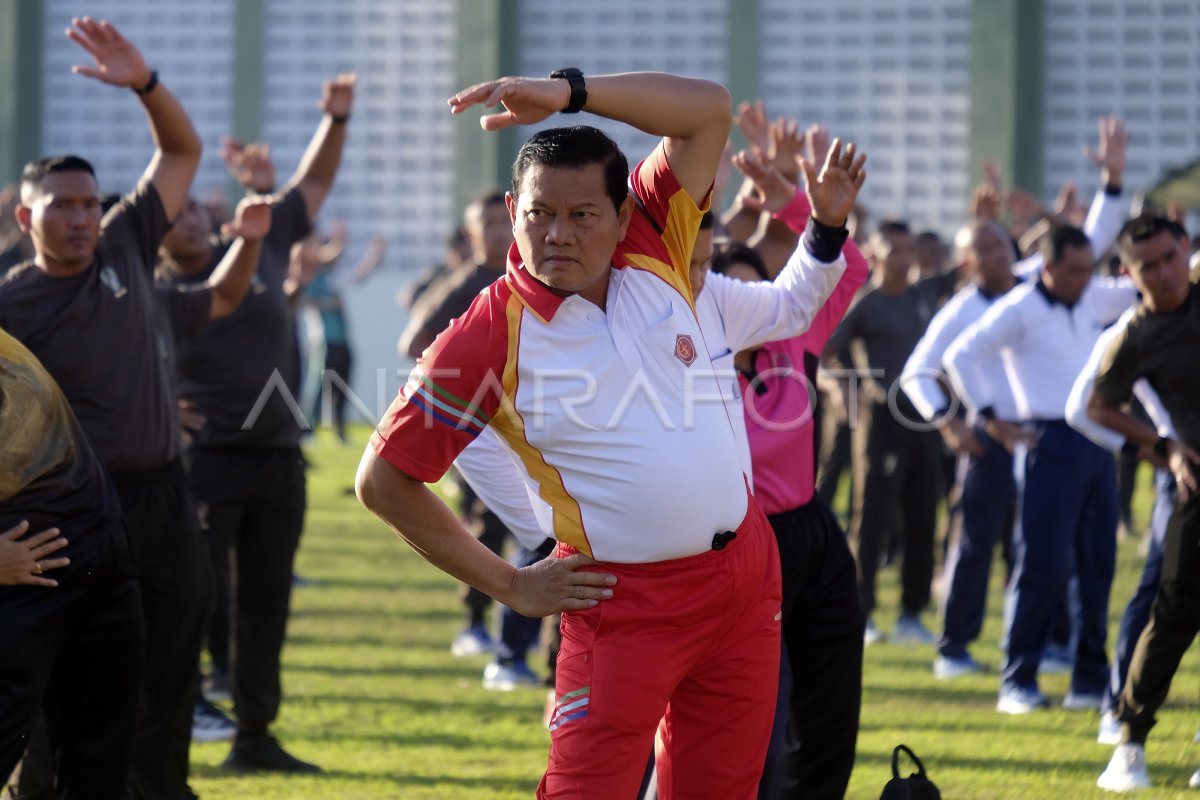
(1161, 343)
(86, 307)
(245, 467)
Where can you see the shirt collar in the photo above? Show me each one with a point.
(990, 296)
(533, 294)
(1050, 297)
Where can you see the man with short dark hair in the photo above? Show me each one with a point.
(85, 306)
(1161, 343)
(1043, 332)
(489, 233)
(595, 314)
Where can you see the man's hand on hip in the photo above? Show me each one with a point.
(557, 584)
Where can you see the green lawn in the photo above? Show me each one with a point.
(373, 695)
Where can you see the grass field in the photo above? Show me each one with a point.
(373, 695)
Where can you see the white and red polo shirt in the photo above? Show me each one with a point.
(614, 416)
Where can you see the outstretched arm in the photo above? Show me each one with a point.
(231, 279)
(177, 146)
(318, 168)
(692, 115)
(755, 313)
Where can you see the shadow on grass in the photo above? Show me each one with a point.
(443, 672)
(411, 644)
(382, 584)
(423, 614)
(409, 739)
(933, 694)
(1008, 725)
(482, 708)
(934, 761)
(309, 783)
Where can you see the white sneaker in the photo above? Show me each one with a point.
(1078, 701)
(872, 635)
(1020, 701)
(946, 668)
(909, 630)
(1126, 771)
(1110, 729)
(472, 641)
(499, 677)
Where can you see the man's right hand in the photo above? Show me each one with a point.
(1183, 462)
(961, 439)
(557, 584)
(23, 561)
(118, 62)
(1010, 434)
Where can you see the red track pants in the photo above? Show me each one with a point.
(691, 642)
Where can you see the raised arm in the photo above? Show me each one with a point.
(692, 115)
(755, 313)
(177, 146)
(319, 165)
(230, 281)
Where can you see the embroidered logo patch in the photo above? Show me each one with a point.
(685, 350)
(109, 277)
(570, 707)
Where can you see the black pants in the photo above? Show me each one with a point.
(823, 637)
(251, 506)
(76, 652)
(897, 486)
(176, 585)
(338, 360)
(836, 448)
(1174, 622)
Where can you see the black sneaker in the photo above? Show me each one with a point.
(263, 754)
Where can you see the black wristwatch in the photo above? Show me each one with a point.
(574, 77)
(1162, 448)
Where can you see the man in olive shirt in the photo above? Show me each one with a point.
(245, 467)
(1162, 345)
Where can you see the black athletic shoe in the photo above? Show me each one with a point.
(263, 754)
